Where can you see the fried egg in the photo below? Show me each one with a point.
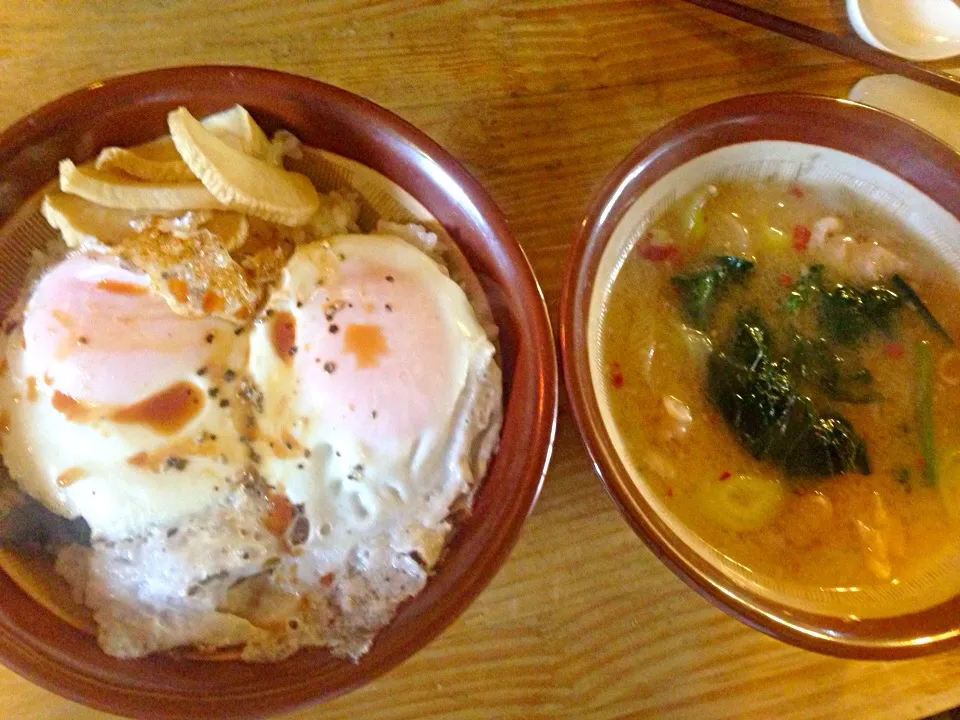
(380, 390)
(112, 405)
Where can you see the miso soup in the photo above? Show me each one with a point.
(780, 360)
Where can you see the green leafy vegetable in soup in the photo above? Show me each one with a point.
(759, 400)
(781, 368)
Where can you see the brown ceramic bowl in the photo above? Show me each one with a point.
(817, 134)
(132, 109)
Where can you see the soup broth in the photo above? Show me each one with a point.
(779, 359)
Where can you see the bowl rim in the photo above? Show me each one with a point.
(530, 417)
(879, 137)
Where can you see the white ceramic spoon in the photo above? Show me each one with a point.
(913, 29)
(933, 110)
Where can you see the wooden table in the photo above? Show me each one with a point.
(540, 100)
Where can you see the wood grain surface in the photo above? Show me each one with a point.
(540, 100)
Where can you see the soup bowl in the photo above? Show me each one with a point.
(41, 645)
(809, 139)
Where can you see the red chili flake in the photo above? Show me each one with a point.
(616, 379)
(669, 492)
(797, 191)
(786, 280)
(724, 475)
(920, 462)
(893, 350)
(659, 253)
(801, 237)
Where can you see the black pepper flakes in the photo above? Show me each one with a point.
(329, 367)
(373, 414)
(213, 392)
(334, 329)
(209, 338)
(83, 340)
(171, 532)
(289, 445)
(269, 313)
(202, 371)
(224, 403)
(229, 375)
(299, 303)
(299, 531)
(389, 278)
(300, 466)
(293, 350)
(307, 453)
(388, 307)
(176, 463)
(238, 331)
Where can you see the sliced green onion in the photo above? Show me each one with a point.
(924, 408)
(693, 221)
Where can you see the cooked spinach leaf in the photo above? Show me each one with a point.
(699, 290)
(841, 379)
(804, 289)
(911, 297)
(758, 398)
(848, 314)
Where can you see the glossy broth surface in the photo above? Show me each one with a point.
(837, 529)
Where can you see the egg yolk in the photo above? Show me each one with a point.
(95, 333)
(377, 354)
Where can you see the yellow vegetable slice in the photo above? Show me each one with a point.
(156, 161)
(84, 224)
(114, 190)
(239, 181)
(159, 161)
(742, 502)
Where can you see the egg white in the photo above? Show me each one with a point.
(365, 488)
(117, 499)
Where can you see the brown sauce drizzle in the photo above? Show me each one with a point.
(212, 302)
(119, 287)
(366, 343)
(286, 447)
(283, 334)
(155, 460)
(178, 288)
(69, 476)
(63, 318)
(279, 515)
(165, 412)
(70, 408)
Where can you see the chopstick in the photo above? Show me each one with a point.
(849, 47)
